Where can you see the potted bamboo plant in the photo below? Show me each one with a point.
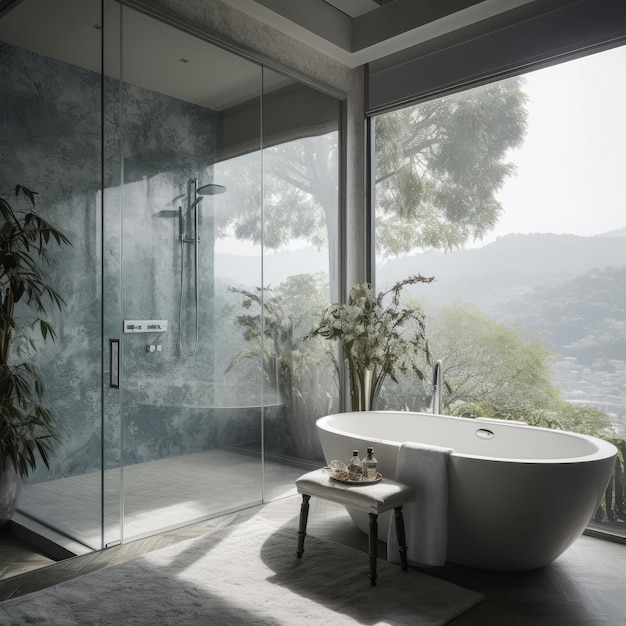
(27, 430)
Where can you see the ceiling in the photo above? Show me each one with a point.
(356, 32)
(156, 56)
(354, 8)
(176, 63)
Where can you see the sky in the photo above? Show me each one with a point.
(571, 168)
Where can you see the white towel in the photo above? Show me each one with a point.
(425, 469)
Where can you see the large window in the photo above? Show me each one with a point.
(511, 195)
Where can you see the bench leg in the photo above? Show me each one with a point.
(373, 546)
(304, 516)
(401, 537)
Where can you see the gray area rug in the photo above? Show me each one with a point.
(245, 574)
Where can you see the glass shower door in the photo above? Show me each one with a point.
(179, 449)
(50, 142)
(143, 142)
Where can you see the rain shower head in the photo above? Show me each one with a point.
(210, 189)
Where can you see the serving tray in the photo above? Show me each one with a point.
(349, 481)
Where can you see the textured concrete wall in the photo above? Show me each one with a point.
(51, 144)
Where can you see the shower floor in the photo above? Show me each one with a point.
(158, 495)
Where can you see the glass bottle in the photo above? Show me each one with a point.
(354, 467)
(369, 465)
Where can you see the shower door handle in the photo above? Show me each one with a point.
(114, 363)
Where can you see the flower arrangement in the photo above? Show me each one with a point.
(377, 339)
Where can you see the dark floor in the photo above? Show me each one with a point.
(586, 585)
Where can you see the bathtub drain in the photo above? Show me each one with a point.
(484, 433)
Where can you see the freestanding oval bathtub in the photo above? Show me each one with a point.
(518, 495)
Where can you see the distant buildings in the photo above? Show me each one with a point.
(601, 386)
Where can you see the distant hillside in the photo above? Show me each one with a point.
(246, 270)
(571, 290)
(583, 317)
(620, 232)
(505, 269)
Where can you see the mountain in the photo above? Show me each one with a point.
(500, 272)
(506, 269)
(509, 266)
(277, 267)
(620, 232)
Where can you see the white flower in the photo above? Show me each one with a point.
(385, 338)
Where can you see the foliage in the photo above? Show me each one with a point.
(561, 415)
(489, 362)
(377, 339)
(497, 370)
(270, 335)
(578, 419)
(614, 496)
(273, 326)
(407, 394)
(439, 164)
(300, 193)
(26, 426)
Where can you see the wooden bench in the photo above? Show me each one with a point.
(373, 498)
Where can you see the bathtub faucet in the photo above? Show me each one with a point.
(437, 388)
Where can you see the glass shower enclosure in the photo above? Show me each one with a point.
(200, 191)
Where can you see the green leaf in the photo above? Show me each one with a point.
(27, 431)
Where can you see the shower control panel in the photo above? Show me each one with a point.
(145, 326)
